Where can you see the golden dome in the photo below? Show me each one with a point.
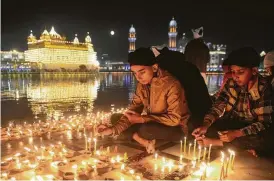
(54, 35)
(45, 32)
(75, 41)
(132, 29)
(45, 35)
(31, 38)
(173, 22)
(88, 39)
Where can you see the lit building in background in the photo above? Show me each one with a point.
(12, 56)
(217, 52)
(104, 60)
(217, 56)
(13, 61)
(132, 39)
(116, 67)
(53, 52)
(172, 34)
(182, 43)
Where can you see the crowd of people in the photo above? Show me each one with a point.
(171, 100)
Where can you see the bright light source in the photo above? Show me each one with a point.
(112, 32)
(262, 53)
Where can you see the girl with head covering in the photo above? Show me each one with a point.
(197, 52)
(191, 80)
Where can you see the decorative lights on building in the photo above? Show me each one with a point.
(132, 39)
(217, 56)
(172, 34)
(88, 38)
(76, 41)
(31, 38)
(52, 51)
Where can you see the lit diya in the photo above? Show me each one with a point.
(101, 155)
(87, 152)
(101, 164)
(68, 176)
(61, 164)
(54, 129)
(81, 171)
(5, 165)
(5, 136)
(69, 154)
(22, 156)
(72, 160)
(39, 170)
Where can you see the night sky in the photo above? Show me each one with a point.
(234, 23)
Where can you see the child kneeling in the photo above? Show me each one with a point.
(243, 112)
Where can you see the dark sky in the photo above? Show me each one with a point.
(234, 23)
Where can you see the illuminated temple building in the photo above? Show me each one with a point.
(53, 51)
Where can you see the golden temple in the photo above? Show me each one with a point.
(52, 51)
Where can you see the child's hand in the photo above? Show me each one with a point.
(103, 130)
(230, 135)
(134, 117)
(198, 132)
(101, 127)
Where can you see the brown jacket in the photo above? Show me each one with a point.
(163, 102)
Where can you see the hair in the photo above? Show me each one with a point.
(190, 78)
(173, 64)
(141, 56)
(197, 52)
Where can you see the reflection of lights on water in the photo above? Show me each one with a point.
(67, 91)
(16, 94)
(23, 84)
(62, 90)
(9, 85)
